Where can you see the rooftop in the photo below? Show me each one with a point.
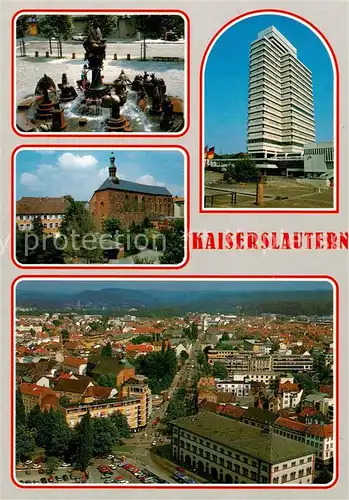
(32, 205)
(133, 187)
(244, 438)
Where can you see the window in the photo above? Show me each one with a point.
(254, 464)
(245, 460)
(284, 466)
(301, 473)
(276, 469)
(254, 476)
(237, 469)
(308, 470)
(293, 464)
(310, 459)
(284, 478)
(244, 471)
(229, 465)
(293, 476)
(275, 480)
(237, 457)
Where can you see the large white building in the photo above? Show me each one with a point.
(280, 108)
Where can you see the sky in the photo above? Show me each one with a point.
(80, 172)
(248, 286)
(226, 80)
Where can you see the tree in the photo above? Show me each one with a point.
(107, 24)
(219, 370)
(106, 380)
(184, 356)
(25, 443)
(33, 417)
(78, 233)
(21, 418)
(64, 401)
(59, 27)
(119, 420)
(52, 433)
(84, 441)
(111, 225)
(65, 335)
(52, 464)
(107, 351)
(105, 436)
(159, 367)
(157, 26)
(225, 336)
(243, 170)
(174, 250)
(22, 28)
(200, 358)
(324, 476)
(33, 247)
(141, 339)
(56, 322)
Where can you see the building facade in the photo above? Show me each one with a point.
(280, 109)
(319, 160)
(50, 211)
(292, 362)
(231, 452)
(129, 202)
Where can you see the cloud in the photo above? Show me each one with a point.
(70, 161)
(149, 180)
(31, 181)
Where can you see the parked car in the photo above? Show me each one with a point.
(65, 465)
(154, 443)
(28, 462)
(113, 466)
(50, 479)
(65, 477)
(108, 480)
(58, 478)
(110, 457)
(36, 466)
(79, 37)
(43, 480)
(124, 482)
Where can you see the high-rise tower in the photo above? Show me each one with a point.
(280, 106)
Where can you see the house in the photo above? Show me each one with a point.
(50, 211)
(33, 394)
(73, 389)
(75, 365)
(289, 393)
(99, 365)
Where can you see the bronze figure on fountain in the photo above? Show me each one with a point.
(68, 93)
(95, 53)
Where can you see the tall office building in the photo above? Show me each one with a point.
(280, 108)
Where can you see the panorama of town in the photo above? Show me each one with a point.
(154, 397)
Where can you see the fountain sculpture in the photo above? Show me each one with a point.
(85, 106)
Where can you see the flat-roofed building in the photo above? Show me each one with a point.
(292, 362)
(227, 451)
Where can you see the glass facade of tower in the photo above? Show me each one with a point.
(280, 107)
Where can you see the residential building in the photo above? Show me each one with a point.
(257, 346)
(135, 388)
(130, 407)
(75, 365)
(289, 394)
(239, 360)
(241, 388)
(33, 394)
(292, 362)
(228, 451)
(50, 211)
(118, 366)
(280, 108)
(73, 389)
(178, 207)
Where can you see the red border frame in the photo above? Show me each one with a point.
(169, 277)
(212, 41)
(110, 135)
(106, 267)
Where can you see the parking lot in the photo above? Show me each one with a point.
(112, 470)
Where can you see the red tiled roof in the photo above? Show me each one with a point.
(35, 390)
(233, 411)
(139, 347)
(324, 431)
(70, 361)
(206, 382)
(291, 424)
(288, 387)
(327, 389)
(307, 411)
(32, 205)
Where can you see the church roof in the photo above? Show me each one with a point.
(133, 187)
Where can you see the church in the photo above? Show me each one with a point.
(130, 202)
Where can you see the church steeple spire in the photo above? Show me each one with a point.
(112, 169)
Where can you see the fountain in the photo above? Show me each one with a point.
(95, 105)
